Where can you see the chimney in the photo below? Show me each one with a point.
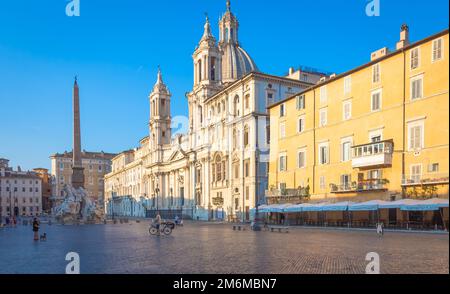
(404, 37)
(291, 71)
(379, 53)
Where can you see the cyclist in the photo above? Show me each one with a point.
(157, 222)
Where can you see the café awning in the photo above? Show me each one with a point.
(427, 205)
(339, 206)
(367, 206)
(398, 203)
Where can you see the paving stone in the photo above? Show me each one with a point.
(215, 248)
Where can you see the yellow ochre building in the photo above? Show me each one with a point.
(379, 131)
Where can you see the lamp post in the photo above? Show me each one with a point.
(156, 191)
(10, 201)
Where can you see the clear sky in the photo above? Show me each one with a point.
(115, 47)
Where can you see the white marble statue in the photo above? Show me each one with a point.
(77, 206)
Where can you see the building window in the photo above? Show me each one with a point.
(247, 101)
(433, 168)
(414, 56)
(236, 106)
(301, 160)
(200, 78)
(345, 151)
(347, 85)
(323, 117)
(282, 110)
(282, 162)
(322, 182)
(301, 124)
(236, 170)
(61, 166)
(347, 110)
(323, 154)
(247, 168)
(376, 100)
(346, 181)
(269, 98)
(437, 49)
(218, 170)
(235, 139)
(374, 174)
(376, 74)
(213, 69)
(416, 136)
(416, 173)
(246, 137)
(323, 94)
(417, 88)
(247, 193)
(282, 130)
(301, 102)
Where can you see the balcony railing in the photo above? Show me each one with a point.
(362, 186)
(425, 179)
(372, 154)
(274, 196)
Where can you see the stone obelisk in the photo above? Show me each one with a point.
(77, 166)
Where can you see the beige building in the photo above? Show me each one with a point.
(20, 192)
(95, 164)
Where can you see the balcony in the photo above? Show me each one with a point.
(373, 154)
(362, 186)
(425, 179)
(276, 196)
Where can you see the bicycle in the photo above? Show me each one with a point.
(164, 228)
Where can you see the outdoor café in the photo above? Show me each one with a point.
(409, 214)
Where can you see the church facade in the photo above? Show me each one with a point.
(218, 170)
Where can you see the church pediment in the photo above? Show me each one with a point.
(177, 155)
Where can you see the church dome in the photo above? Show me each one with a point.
(236, 62)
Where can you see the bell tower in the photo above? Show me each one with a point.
(160, 119)
(228, 26)
(207, 60)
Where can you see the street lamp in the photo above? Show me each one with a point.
(10, 201)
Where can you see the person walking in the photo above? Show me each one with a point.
(14, 222)
(380, 229)
(36, 229)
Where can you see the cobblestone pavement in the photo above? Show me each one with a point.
(216, 248)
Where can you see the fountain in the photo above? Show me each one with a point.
(77, 207)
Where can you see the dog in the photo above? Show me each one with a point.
(43, 237)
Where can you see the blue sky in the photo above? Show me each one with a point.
(115, 47)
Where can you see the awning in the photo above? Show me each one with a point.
(294, 208)
(315, 207)
(367, 206)
(340, 206)
(398, 203)
(427, 205)
(273, 208)
(403, 204)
